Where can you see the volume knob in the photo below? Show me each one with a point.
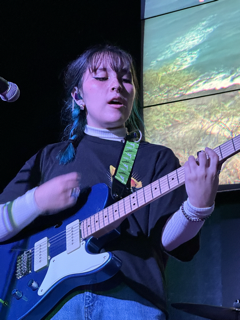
(17, 294)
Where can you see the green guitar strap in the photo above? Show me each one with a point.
(121, 180)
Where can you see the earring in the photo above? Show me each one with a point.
(81, 106)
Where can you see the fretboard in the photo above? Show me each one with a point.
(148, 194)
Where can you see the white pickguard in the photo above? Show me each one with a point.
(65, 264)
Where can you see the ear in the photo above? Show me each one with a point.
(77, 98)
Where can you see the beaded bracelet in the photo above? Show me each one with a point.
(191, 218)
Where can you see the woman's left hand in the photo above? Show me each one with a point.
(201, 178)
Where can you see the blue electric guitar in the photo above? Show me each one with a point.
(39, 270)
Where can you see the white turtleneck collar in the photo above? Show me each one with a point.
(112, 134)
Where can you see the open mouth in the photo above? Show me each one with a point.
(117, 102)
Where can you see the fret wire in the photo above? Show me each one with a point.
(237, 142)
(124, 209)
(103, 217)
(144, 196)
(115, 210)
(98, 220)
(90, 226)
(108, 214)
(112, 214)
(168, 182)
(177, 176)
(220, 152)
(130, 202)
(233, 145)
(119, 209)
(93, 219)
(226, 147)
(159, 186)
(137, 199)
(151, 190)
(124, 205)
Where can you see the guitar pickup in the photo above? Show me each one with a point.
(41, 254)
(73, 236)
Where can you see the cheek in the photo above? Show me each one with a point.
(90, 94)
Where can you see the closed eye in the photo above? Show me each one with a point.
(127, 80)
(106, 78)
(101, 78)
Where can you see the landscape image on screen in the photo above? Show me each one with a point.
(156, 7)
(189, 126)
(193, 52)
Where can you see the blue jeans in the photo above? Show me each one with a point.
(121, 303)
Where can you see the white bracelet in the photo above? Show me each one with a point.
(194, 214)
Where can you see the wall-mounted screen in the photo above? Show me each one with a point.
(191, 125)
(152, 8)
(193, 52)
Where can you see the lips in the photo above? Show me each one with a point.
(116, 101)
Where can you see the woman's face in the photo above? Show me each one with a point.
(107, 96)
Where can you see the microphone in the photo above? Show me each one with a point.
(8, 91)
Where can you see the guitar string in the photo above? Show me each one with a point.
(220, 150)
(62, 235)
(164, 186)
(148, 190)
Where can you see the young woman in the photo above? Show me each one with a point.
(101, 90)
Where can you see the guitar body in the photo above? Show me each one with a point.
(33, 294)
(41, 268)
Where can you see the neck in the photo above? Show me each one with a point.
(107, 134)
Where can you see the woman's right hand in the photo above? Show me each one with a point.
(56, 194)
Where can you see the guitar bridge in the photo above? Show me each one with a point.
(23, 264)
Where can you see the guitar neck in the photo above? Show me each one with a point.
(126, 206)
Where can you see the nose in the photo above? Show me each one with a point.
(116, 85)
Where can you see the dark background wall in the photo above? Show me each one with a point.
(38, 39)
(212, 277)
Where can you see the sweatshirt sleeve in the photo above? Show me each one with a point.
(17, 214)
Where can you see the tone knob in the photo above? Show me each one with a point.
(33, 285)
